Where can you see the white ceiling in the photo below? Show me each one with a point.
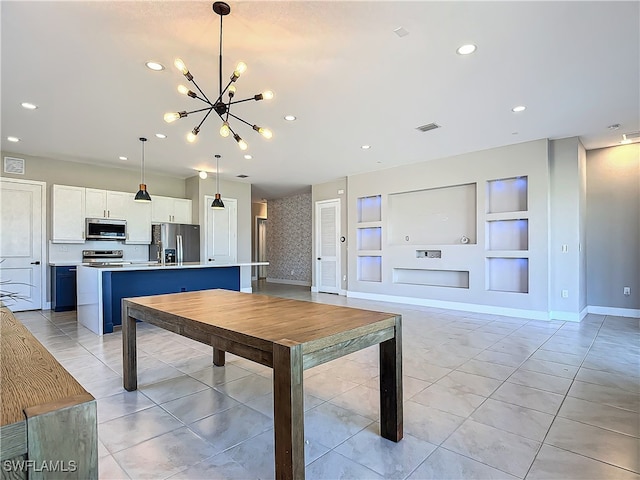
(337, 66)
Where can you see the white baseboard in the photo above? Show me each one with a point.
(314, 289)
(246, 290)
(468, 307)
(289, 282)
(568, 316)
(47, 306)
(254, 278)
(615, 311)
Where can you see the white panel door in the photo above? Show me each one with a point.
(328, 246)
(21, 239)
(221, 231)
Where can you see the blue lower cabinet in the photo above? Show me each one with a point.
(117, 285)
(63, 288)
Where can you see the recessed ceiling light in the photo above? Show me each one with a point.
(202, 174)
(161, 135)
(28, 106)
(466, 49)
(123, 158)
(289, 118)
(365, 147)
(13, 139)
(248, 157)
(615, 126)
(519, 108)
(155, 66)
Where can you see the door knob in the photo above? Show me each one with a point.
(36, 262)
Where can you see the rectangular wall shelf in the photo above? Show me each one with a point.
(508, 235)
(433, 278)
(369, 209)
(507, 195)
(369, 238)
(508, 275)
(370, 269)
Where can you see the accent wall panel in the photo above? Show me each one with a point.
(436, 216)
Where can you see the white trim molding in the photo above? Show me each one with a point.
(289, 282)
(568, 316)
(246, 290)
(468, 307)
(614, 311)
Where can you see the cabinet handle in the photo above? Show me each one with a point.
(37, 262)
(108, 213)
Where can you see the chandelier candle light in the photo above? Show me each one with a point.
(221, 107)
(142, 195)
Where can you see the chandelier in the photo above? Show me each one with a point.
(221, 106)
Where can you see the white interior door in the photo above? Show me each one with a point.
(328, 246)
(21, 246)
(221, 231)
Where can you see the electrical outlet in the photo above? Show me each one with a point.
(292, 272)
(565, 248)
(565, 293)
(626, 291)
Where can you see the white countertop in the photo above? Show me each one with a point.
(137, 266)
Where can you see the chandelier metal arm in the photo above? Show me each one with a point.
(219, 99)
(200, 110)
(244, 100)
(204, 118)
(201, 92)
(238, 118)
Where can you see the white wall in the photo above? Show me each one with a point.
(567, 229)
(613, 227)
(527, 159)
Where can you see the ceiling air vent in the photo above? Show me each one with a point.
(14, 165)
(427, 127)
(633, 135)
(242, 175)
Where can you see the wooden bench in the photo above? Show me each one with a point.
(48, 424)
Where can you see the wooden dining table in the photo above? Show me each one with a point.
(287, 335)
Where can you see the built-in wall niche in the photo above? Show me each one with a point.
(369, 209)
(370, 269)
(508, 274)
(433, 278)
(370, 238)
(508, 235)
(507, 195)
(436, 216)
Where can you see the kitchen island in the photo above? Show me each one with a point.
(101, 288)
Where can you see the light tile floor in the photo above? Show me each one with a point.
(486, 397)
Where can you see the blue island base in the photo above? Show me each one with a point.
(117, 285)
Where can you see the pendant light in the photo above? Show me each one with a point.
(142, 195)
(217, 202)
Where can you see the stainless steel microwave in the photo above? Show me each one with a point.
(105, 229)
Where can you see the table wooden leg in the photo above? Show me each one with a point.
(391, 385)
(129, 351)
(288, 408)
(218, 357)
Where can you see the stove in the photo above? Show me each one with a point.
(103, 257)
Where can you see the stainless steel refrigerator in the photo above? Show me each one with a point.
(175, 243)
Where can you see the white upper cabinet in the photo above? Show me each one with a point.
(68, 214)
(138, 217)
(95, 203)
(107, 204)
(170, 210)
